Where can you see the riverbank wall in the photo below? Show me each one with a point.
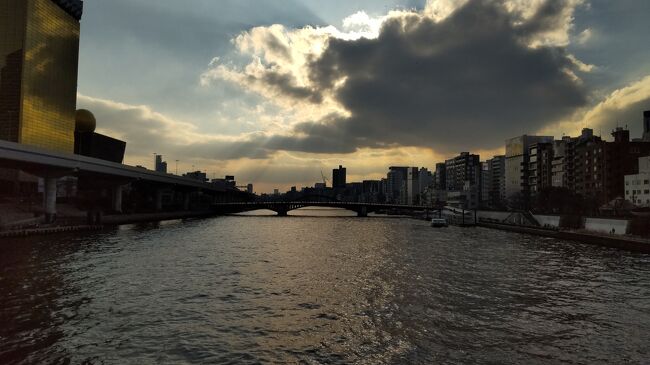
(106, 221)
(607, 240)
(614, 226)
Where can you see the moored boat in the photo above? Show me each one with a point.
(439, 222)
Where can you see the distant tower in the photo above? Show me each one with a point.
(161, 166)
(646, 125)
(339, 177)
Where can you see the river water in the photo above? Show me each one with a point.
(319, 288)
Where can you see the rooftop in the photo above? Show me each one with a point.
(73, 7)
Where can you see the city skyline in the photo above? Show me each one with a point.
(197, 97)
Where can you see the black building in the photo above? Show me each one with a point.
(339, 178)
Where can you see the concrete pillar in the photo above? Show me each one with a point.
(186, 200)
(158, 199)
(117, 198)
(363, 212)
(49, 198)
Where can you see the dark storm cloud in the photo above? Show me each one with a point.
(469, 81)
(285, 84)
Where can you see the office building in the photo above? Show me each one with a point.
(339, 178)
(249, 189)
(637, 186)
(161, 166)
(39, 53)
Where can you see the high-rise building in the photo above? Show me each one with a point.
(497, 185)
(646, 126)
(562, 165)
(463, 168)
(39, 54)
(339, 178)
(161, 166)
(440, 177)
(540, 167)
(517, 159)
(412, 185)
(396, 184)
(486, 180)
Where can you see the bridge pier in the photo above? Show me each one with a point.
(186, 200)
(49, 198)
(158, 199)
(117, 198)
(282, 213)
(362, 212)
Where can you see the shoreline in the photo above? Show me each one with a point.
(619, 242)
(107, 221)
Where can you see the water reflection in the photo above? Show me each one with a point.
(261, 289)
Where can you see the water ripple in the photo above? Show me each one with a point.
(319, 290)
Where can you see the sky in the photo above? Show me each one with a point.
(274, 92)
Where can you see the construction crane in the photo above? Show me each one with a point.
(324, 178)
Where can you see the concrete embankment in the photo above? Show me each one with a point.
(620, 242)
(109, 220)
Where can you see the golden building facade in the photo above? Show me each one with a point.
(39, 56)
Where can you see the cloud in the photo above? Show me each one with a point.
(622, 107)
(585, 36)
(454, 76)
(147, 132)
(270, 160)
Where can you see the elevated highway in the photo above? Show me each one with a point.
(101, 175)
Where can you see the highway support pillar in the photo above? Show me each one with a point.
(158, 199)
(186, 200)
(362, 212)
(49, 198)
(117, 198)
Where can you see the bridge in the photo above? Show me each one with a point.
(283, 207)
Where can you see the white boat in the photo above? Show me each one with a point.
(439, 222)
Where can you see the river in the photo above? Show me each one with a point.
(319, 288)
